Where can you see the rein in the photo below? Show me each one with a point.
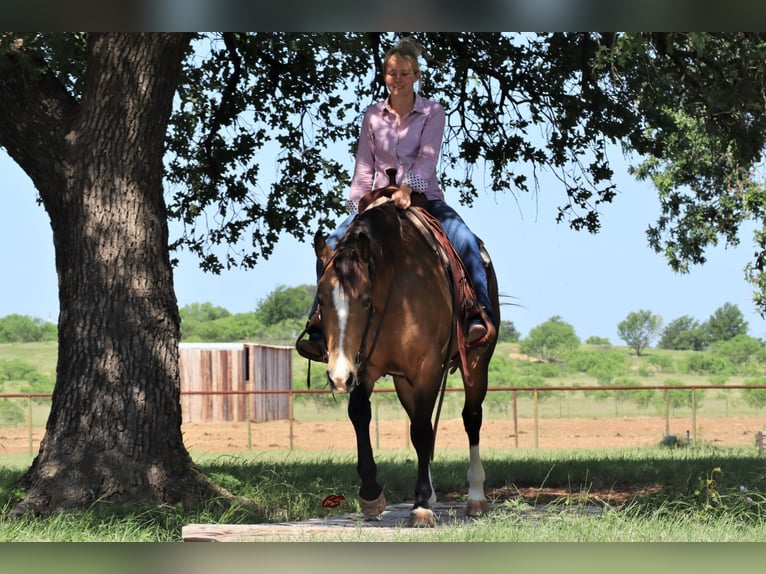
(359, 364)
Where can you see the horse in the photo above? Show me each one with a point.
(388, 308)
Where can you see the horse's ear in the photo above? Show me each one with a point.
(321, 248)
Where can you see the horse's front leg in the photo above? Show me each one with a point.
(419, 403)
(371, 498)
(422, 436)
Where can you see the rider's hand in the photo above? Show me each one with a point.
(401, 196)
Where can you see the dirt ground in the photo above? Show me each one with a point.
(496, 434)
(392, 435)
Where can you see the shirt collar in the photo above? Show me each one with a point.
(417, 108)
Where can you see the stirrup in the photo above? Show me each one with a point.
(482, 332)
(313, 350)
(476, 333)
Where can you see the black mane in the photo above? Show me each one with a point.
(379, 229)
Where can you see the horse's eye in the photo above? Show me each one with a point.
(366, 302)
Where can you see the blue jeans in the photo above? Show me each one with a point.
(467, 246)
(462, 238)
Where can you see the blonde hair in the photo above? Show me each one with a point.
(408, 49)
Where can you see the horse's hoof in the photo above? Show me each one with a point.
(421, 518)
(476, 508)
(371, 509)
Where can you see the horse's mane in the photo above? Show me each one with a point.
(378, 227)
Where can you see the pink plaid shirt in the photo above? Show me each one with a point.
(412, 148)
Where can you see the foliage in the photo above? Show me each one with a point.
(755, 397)
(700, 96)
(508, 332)
(16, 370)
(638, 329)
(598, 341)
(201, 312)
(741, 350)
(592, 361)
(24, 329)
(725, 323)
(684, 333)
(708, 363)
(285, 303)
(301, 93)
(661, 362)
(550, 340)
(681, 397)
(642, 397)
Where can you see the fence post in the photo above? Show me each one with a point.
(29, 412)
(694, 415)
(667, 412)
(248, 398)
(515, 420)
(290, 414)
(537, 442)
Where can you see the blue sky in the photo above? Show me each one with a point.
(591, 281)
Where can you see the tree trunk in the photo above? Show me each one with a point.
(114, 431)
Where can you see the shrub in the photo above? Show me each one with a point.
(550, 340)
(709, 364)
(662, 362)
(23, 329)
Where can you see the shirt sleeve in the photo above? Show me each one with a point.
(424, 167)
(364, 169)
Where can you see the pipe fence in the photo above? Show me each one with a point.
(535, 395)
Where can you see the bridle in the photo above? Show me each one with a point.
(361, 359)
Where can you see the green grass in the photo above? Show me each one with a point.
(291, 485)
(42, 356)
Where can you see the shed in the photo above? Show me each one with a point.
(215, 379)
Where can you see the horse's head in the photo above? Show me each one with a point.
(345, 299)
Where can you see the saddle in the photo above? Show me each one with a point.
(466, 305)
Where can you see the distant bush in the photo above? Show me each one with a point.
(600, 341)
(704, 362)
(35, 382)
(741, 350)
(550, 340)
(24, 329)
(603, 365)
(508, 333)
(662, 362)
(755, 397)
(682, 397)
(544, 370)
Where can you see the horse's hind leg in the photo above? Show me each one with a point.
(371, 498)
(472, 419)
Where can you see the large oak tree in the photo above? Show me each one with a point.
(120, 132)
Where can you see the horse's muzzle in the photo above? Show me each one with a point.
(344, 385)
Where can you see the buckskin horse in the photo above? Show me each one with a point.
(389, 308)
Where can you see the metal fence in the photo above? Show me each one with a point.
(530, 413)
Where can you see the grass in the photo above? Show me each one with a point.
(43, 356)
(291, 486)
